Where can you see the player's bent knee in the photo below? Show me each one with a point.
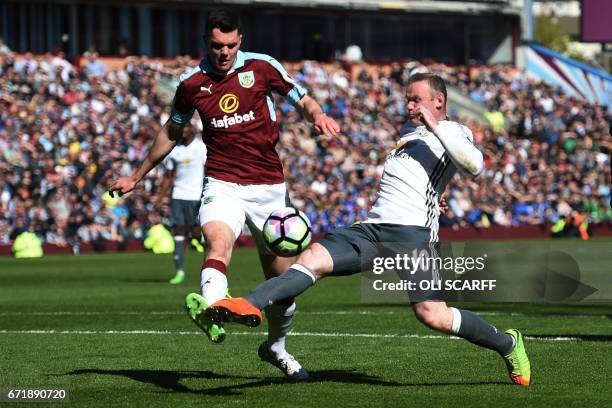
(306, 258)
(274, 265)
(281, 265)
(428, 318)
(317, 259)
(432, 317)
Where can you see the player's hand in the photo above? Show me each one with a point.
(323, 124)
(443, 205)
(427, 118)
(121, 186)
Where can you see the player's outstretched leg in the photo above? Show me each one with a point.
(273, 351)
(508, 344)
(465, 324)
(195, 305)
(519, 368)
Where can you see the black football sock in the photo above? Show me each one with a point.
(290, 284)
(179, 251)
(476, 330)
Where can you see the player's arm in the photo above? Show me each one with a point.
(312, 111)
(462, 152)
(163, 144)
(460, 149)
(281, 82)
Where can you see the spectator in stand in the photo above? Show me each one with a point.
(63, 132)
(94, 67)
(4, 49)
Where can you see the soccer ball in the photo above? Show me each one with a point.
(287, 231)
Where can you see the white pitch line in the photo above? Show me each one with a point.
(297, 334)
(396, 312)
(320, 313)
(108, 313)
(546, 315)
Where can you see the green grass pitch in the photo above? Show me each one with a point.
(113, 332)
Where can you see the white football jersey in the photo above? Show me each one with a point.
(188, 163)
(415, 174)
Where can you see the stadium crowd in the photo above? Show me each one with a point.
(65, 130)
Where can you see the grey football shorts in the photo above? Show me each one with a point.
(354, 249)
(185, 212)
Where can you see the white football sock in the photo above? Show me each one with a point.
(213, 285)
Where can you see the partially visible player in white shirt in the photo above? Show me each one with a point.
(185, 173)
(406, 213)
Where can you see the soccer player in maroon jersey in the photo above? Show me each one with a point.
(244, 181)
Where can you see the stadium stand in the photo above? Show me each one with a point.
(65, 129)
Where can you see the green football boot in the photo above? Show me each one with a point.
(195, 244)
(178, 278)
(195, 305)
(517, 361)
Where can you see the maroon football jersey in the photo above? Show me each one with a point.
(237, 111)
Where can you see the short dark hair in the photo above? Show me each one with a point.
(223, 20)
(435, 82)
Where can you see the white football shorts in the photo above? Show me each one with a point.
(240, 204)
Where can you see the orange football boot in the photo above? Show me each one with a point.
(237, 310)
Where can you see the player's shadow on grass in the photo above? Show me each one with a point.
(352, 377)
(170, 380)
(339, 376)
(166, 379)
(583, 337)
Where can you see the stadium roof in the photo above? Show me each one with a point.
(414, 6)
(575, 78)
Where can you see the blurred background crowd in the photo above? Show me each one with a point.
(66, 130)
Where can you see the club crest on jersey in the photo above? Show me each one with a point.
(208, 200)
(246, 79)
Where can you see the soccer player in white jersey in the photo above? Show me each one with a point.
(244, 183)
(185, 173)
(406, 211)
